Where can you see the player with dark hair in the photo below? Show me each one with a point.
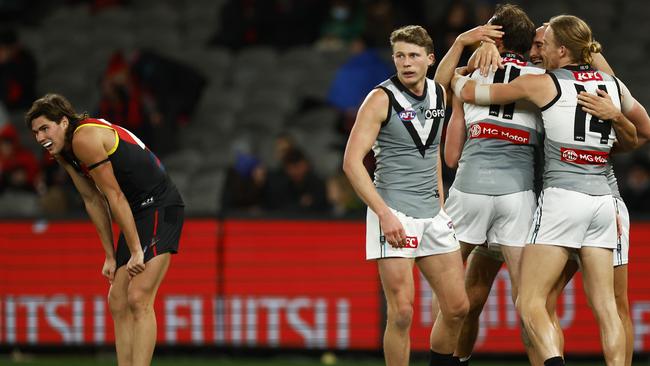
(119, 178)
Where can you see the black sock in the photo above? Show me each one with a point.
(439, 359)
(455, 361)
(463, 363)
(554, 361)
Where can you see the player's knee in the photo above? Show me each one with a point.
(402, 316)
(457, 310)
(476, 303)
(117, 304)
(139, 302)
(622, 303)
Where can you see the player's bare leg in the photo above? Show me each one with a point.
(142, 293)
(479, 275)
(623, 308)
(122, 318)
(445, 275)
(541, 267)
(598, 278)
(397, 281)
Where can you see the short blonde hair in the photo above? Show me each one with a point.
(574, 34)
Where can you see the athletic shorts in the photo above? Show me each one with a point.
(622, 251)
(425, 237)
(503, 219)
(574, 220)
(159, 231)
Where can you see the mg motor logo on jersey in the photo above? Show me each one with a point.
(569, 155)
(587, 75)
(475, 131)
(434, 113)
(588, 157)
(407, 115)
(483, 130)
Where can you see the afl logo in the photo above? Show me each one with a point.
(407, 115)
(569, 155)
(475, 130)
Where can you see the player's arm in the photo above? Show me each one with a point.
(599, 62)
(445, 70)
(485, 58)
(538, 89)
(441, 186)
(88, 146)
(639, 117)
(364, 133)
(99, 214)
(456, 134)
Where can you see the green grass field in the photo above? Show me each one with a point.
(30, 360)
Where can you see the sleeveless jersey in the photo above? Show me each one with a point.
(499, 152)
(406, 149)
(577, 145)
(141, 176)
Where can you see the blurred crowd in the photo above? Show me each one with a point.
(155, 96)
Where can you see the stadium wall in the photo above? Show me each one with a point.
(259, 284)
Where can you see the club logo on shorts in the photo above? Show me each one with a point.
(407, 115)
(475, 130)
(411, 242)
(569, 155)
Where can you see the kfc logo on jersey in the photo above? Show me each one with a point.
(434, 113)
(411, 242)
(588, 157)
(587, 75)
(407, 115)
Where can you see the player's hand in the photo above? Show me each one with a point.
(108, 270)
(481, 33)
(393, 230)
(487, 58)
(600, 106)
(136, 263)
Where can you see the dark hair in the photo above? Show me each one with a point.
(519, 30)
(54, 107)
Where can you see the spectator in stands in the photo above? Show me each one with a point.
(124, 101)
(269, 22)
(175, 89)
(295, 188)
(18, 166)
(363, 71)
(458, 18)
(636, 185)
(342, 198)
(245, 179)
(344, 24)
(17, 72)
